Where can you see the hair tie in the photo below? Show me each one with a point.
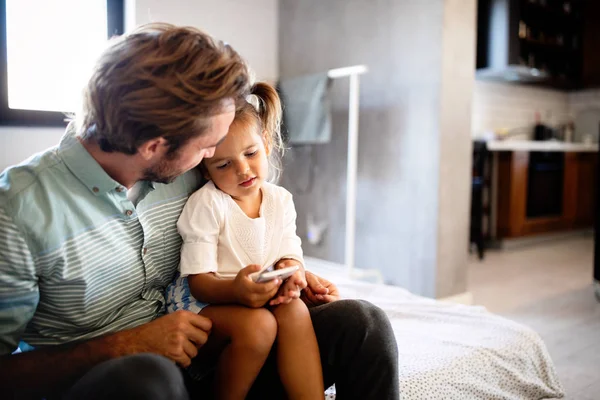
(253, 100)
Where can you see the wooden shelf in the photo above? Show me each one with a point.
(509, 33)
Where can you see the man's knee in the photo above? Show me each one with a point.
(370, 323)
(358, 312)
(142, 376)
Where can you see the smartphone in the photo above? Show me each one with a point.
(266, 275)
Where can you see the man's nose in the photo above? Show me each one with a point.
(208, 153)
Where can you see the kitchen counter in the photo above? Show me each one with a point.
(531, 145)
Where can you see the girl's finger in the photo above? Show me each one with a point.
(275, 301)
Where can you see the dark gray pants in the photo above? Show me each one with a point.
(138, 377)
(358, 354)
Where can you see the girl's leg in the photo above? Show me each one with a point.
(298, 358)
(250, 334)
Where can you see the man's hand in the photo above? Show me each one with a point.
(177, 336)
(319, 291)
(293, 286)
(250, 293)
(36, 373)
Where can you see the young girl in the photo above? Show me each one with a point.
(237, 224)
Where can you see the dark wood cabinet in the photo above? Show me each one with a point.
(578, 195)
(542, 42)
(591, 45)
(587, 165)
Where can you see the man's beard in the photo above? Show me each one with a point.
(161, 173)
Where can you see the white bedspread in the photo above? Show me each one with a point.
(452, 351)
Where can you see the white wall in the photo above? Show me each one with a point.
(18, 143)
(454, 196)
(584, 100)
(508, 106)
(249, 26)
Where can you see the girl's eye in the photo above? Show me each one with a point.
(222, 166)
(252, 154)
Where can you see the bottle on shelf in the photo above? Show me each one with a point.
(541, 131)
(531, 60)
(568, 132)
(523, 30)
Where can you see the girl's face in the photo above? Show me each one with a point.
(240, 164)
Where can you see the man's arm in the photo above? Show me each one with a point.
(177, 336)
(45, 371)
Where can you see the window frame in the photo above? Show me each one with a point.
(11, 117)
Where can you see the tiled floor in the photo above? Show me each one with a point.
(549, 288)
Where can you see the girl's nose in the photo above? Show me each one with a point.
(242, 168)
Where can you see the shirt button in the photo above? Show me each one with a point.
(145, 250)
(95, 189)
(119, 189)
(128, 213)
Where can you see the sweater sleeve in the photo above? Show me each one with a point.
(291, 244)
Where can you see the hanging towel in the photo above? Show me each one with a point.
(306, 109)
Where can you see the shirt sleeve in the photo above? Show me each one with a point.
(291, 244)
(199, 226)
(19, 293)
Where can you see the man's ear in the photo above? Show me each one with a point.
(153, 148)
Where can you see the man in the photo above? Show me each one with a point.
(88, 239)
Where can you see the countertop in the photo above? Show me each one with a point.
(531, 145)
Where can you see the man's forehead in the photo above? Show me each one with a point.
(211, 138)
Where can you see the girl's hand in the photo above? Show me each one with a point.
(292, 287)
(252, 294)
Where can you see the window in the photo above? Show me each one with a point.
(47, 52)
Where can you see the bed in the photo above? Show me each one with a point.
(454, 351)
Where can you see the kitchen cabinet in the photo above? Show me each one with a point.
(515, 175)
(586, 165)
(543, 42)
(591, 44)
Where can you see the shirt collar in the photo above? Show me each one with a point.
(83, 165)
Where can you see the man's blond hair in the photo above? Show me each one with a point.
(160, 80)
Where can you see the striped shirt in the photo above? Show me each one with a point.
(77, 258)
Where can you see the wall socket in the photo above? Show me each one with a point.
(315, 231)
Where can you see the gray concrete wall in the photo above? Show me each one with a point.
(413, 174)
(398, 174)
